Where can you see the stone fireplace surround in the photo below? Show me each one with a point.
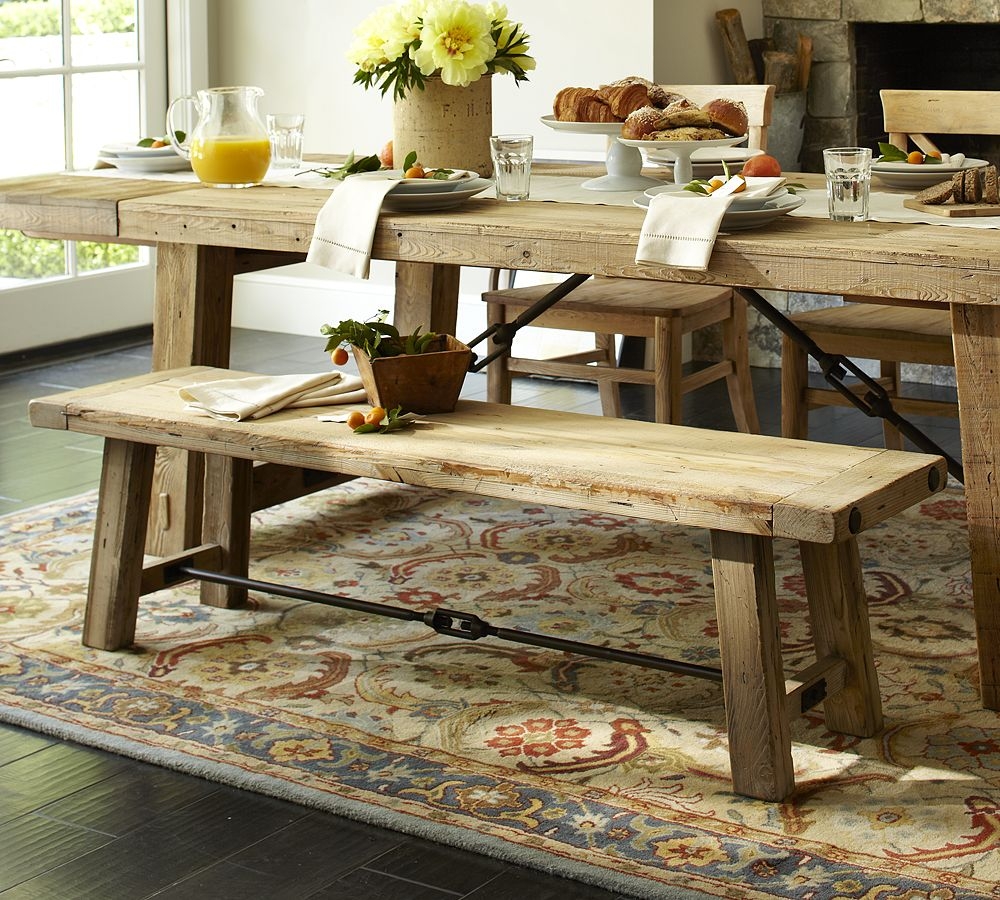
(832, 104)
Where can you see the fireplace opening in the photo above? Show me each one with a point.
(946, 57)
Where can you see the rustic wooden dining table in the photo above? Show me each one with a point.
(205, 236)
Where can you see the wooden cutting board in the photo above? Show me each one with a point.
(954, 210)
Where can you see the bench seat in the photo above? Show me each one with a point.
(746, 489)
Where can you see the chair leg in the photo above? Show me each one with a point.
(497, 372)
(609, 391)
(753, 683)
(668, 357)
(735, 346)
(891, 372)
(794, 381)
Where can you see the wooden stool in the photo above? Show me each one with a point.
(890, 334)
(663, 312)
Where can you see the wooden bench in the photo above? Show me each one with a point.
(747, 489)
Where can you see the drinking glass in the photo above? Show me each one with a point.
(285, 132)
(848, 182)
(512, 165)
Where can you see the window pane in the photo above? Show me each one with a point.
(30, 34)
(92, 257)
(37, 102)
(23, 258)
(103, 31)
(105, 110)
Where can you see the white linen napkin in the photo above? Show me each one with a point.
(759, 186)
(680, 229)
(345, 226)
(255, 396)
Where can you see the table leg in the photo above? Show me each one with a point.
(426, 295)
(191, 326)
(976, 331)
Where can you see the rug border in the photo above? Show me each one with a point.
(401, 822)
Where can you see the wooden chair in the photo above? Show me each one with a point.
(890, 334)
(663, 312)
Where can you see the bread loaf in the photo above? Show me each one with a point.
(688, 133)
(729, 115)
(641, 123)
(973, 186)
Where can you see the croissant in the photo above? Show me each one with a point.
(625, 98)
(580, 104)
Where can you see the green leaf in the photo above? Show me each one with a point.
(891, 153)
(411, 158)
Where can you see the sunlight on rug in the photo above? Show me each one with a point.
(614, 775)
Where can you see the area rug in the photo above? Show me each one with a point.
(609, 774)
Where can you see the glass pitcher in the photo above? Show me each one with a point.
(228, 145)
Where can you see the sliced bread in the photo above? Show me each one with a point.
(958, 186)
(973, 186)
(991, 185)
(936, 195)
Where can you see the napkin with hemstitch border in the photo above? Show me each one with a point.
(680, 229)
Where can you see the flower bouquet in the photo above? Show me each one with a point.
(399, 46)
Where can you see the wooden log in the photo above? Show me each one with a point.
(737, 49)
(757, 48)
(782, 70)
(805, 61)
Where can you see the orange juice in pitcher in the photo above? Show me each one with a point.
(228, 146)
(230, 160)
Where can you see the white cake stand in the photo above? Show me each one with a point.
(624, 163)
(680, 152)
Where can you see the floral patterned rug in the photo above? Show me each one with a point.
(614, 775)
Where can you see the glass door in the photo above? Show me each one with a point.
(75, 75)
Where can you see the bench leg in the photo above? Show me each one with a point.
(226, 522)
(119, 538)
(838, 615)
(760, 746)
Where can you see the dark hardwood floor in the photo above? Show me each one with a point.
(82, 824)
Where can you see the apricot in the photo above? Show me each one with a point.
(375, 416)
(355, 419)
(763, 166)
(385, 155)
(339, 356)
(416, 171)
(915, 157)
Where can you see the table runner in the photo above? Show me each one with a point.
(885, 206)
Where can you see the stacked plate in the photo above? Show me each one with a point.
(708, 161)
(742, 214)
(429, 193)
(131, 158)
(916, 177)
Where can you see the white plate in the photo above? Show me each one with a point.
(739, 203)
(173, 163)
(426, 201)
(672, 149)
(914, 177)
(583, 127)
(132, 151)
(421, 185)
(743, 219)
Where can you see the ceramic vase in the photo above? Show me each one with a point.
(447, 126)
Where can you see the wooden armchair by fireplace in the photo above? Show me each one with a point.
(900, 333)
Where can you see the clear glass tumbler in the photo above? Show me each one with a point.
(285, 132)
(848, 182)
(512, 155)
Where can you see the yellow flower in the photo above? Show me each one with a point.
(456, 41)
